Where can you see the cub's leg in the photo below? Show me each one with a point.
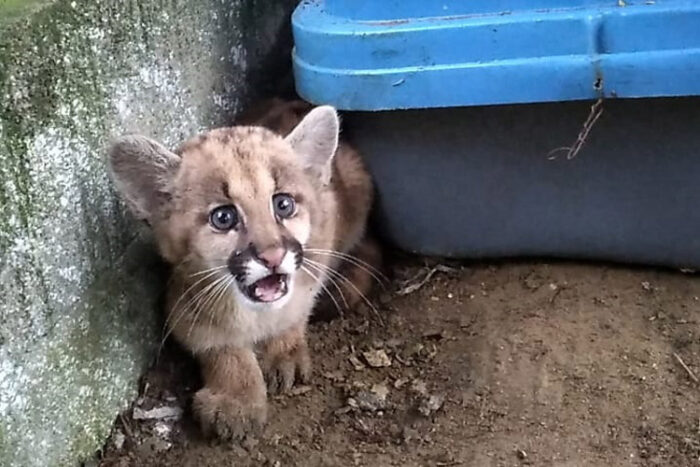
(362, 270)
(286, 360)
(233, 401)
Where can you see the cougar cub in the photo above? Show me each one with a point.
(256, 223)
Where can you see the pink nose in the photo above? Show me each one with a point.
(272, 257)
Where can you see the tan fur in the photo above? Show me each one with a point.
(233, 401)
(247, 165)
(286, 359)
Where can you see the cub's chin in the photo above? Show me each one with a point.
(268, 293)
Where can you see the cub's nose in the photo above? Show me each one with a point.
(272, 257)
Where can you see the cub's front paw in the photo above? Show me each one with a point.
(228, 417)
(283, 368)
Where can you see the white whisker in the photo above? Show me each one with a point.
(347, 281)
(354, 260)
(215, 268)
(204, 303)
(335, 302)
(221, 294)
(332, 281)
(209, 275)
(177, 313)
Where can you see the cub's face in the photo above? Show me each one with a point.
(244, 205)
(234, 207)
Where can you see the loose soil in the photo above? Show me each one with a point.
(483, 365)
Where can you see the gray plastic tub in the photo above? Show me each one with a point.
(476, 182)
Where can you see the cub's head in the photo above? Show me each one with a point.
(234, 205)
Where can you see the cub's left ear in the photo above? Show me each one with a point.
(315, 140)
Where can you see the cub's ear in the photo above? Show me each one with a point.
(142, 170)
(315, 140)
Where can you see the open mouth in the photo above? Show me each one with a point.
(268, 289)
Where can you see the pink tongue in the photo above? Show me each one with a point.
(268, 288)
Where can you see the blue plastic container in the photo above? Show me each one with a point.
(464, 177)
(405, 54)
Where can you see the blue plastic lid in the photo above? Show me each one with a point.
(400, 54)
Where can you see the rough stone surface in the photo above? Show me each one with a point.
(78, 279)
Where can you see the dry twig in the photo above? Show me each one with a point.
(573, 150)
(417, 282)
(685, 367)
(554, 296)
(126, 426)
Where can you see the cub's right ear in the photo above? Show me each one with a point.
(142, 170)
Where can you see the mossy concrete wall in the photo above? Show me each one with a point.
(78, 278)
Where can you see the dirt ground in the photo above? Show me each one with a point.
(504, 364)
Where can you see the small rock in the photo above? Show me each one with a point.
(522, 455)
(157, 413)
(377, 358)
(357, 458)
(356, 363)
(431, 404)
(335, 376)
(299, 390)
(371, 400)
(399, 383)
(646, 286)
(118, 440)
(249, 443)
(418, 386)
(153, 444)
(162, 429)
(380, 390)
(352, 404)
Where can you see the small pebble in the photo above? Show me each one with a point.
(119, 440)
(376, 358)
(356, 363)
(431, 404)
(157, 413)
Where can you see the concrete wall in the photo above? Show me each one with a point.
(78, 278)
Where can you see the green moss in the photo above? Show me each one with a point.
(88, 347)
(4, 443)
(11, 10)
(85, 363)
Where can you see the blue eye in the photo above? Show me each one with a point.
(284, 205)
(224, 218)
